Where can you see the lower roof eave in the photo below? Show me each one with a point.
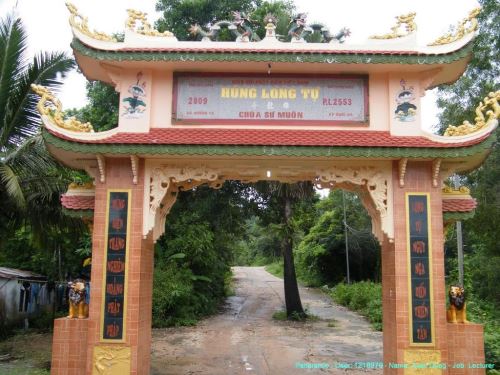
(75, 154)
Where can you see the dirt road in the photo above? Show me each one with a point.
(244, 339)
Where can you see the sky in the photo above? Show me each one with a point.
(49, 30)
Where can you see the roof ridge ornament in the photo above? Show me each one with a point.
(448, 190)
(492, 114)
(408, 20)
(299, 29)
(466, 26)
(137, 16)
(80, 23)
(240, 28)
(51, 107)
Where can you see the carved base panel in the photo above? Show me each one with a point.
(422, 362)
(111, 360)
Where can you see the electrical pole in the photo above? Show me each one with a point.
(346, 240)
(460, 251)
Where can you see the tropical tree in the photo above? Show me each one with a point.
(457, 103)
(29, 178)
(102, 108)
(481, 234)
(281, 198)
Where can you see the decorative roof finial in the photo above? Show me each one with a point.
(300, 29)
(491, 101)
(136, 16)
(51, 107)
(80, 23)
(466, 26)
(407, 20)
(270, 20)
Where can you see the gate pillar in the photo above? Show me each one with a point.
(119, 336)
(413, 285)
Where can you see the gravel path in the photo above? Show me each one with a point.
(244, 339)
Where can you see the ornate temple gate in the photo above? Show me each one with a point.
(355, 124)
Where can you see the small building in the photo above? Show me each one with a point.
(22, 293)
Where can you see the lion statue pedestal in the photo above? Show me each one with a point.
(457, 311)
(78, 308)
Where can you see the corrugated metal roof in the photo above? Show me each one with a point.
(13, 273)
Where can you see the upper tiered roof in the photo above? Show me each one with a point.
(102, 57)
(393, 51)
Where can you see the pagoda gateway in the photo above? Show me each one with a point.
(201, 112)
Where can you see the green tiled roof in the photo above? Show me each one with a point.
(344, 57)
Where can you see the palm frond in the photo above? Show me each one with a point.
(37, 174)
(12, 185)
(24, 121)
(13, 43)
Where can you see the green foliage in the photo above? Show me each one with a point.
(275, 268)
(320, 256)
(481, 235)
(364, 297)
(30, 180)
(486, 313)
(179, 15)
(260, 244)
(102, 108)
(458, 102)
(192, 259)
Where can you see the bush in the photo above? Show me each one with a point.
(364, 297)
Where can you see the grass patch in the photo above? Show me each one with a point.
(332, 323)
(364, 297)
(282, 316)
(275, 268)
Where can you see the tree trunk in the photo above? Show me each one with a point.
(292, 297)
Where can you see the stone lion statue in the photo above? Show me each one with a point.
(78, 308)
(457, 311)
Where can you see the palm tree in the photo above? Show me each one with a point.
(29, 177)
(286, 196)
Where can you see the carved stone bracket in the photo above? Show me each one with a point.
(134, 162)
(436, 166)
(402, 171)
(101, 163)
(375, 195)
(164, 185)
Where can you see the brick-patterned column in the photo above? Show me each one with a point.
(395, 277)
(69, 346)
(132, 355)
